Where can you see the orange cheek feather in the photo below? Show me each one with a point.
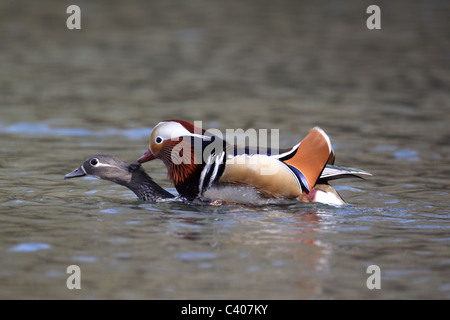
(179, 160)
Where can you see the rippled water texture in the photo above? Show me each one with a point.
(382, 96)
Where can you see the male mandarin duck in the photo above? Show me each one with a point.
(197, 161)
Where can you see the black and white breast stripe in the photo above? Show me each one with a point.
(212, 171)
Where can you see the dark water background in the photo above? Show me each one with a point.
(382, 96)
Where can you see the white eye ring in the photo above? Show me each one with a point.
(159, 139)
(94, 162)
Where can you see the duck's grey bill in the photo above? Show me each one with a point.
(75, 173)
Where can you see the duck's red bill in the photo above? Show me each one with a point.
(146, 157)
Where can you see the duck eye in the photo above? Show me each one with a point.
(158, 139)
(94, 162)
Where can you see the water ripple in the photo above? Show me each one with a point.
(46, 130)
(30, 247)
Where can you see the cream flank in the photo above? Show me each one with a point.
(269, 175)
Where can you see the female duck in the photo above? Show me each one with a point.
(130, 175)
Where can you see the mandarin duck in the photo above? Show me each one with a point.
(198, 160)
(130, 175)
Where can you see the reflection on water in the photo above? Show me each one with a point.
(382, 96)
